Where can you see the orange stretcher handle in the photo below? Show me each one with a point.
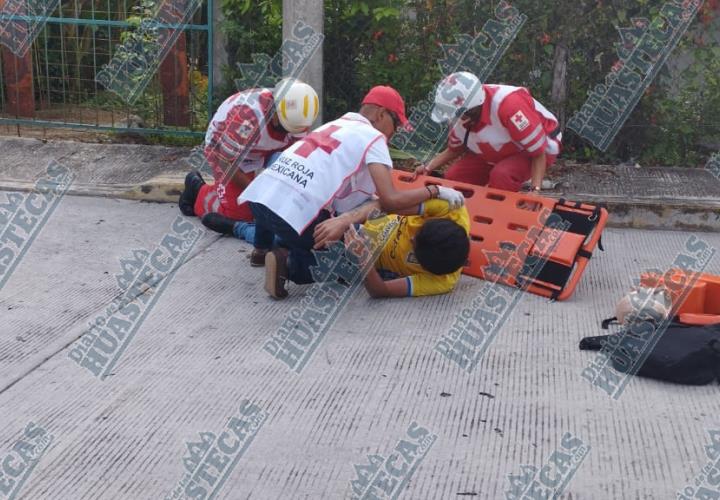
(697, 319)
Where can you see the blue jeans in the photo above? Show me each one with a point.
(246, 231)
(271, 158)
(269, 225)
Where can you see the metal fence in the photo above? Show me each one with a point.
(53, 82)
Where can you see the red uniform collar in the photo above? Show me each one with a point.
(276, 134)
(485, 113)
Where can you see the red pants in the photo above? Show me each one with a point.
(507, 174)
(223, 200)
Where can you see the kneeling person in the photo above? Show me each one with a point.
(246, 133)
(423, 255)
(333, 170)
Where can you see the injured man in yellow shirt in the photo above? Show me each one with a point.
(423, 254)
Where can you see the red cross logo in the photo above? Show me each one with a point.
(319, 140)
(459, 100)
(520, 121)
(245, 129)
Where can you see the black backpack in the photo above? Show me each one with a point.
(685, 354)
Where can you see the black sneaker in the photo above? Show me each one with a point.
(193, 183)
(219, 223)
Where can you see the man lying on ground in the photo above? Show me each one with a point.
(334, 169)
(245, 132)
(423, 254)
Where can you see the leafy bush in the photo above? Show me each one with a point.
(397, 42)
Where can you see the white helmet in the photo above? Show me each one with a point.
(457, 93)
(297, 105)
(643, 303)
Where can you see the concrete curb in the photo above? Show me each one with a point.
(162, 189)
(658, 214)
(675, 198)
(672, 214)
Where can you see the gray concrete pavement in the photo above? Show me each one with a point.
(198, 355)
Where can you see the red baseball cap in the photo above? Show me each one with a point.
(388, 98)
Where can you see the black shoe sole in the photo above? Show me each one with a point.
(187, 207)
(219, 223)
(193, 183)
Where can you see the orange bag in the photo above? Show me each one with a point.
(695, 303)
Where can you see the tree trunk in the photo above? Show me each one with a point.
(18, 78)
(559, 84)
(175, 85)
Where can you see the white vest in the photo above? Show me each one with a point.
(235, 122)
(325, 170)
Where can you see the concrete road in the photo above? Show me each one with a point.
(375, 403)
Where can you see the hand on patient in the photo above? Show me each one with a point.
(454, 198)
(330, 230)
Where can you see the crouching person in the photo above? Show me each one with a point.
(335, 169)
(246, 133)
(421, 254)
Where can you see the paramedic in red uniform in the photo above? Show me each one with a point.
(333, 170)
(246, 130)
(500, 136)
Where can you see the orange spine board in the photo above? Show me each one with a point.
(504, 230)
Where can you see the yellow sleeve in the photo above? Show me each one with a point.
(436, 208)
(440, 208)
(431, 284)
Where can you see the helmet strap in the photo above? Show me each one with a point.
(276, 124)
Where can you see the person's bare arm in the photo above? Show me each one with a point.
(333, 229)
(538, 167)
(377, 288)
(392, 200)
(441, 159)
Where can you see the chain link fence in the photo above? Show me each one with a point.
(52, 88)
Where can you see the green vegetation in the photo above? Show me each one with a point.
(398, 42)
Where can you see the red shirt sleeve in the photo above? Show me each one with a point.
(524, 124)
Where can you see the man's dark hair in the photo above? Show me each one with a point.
(441, 246)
